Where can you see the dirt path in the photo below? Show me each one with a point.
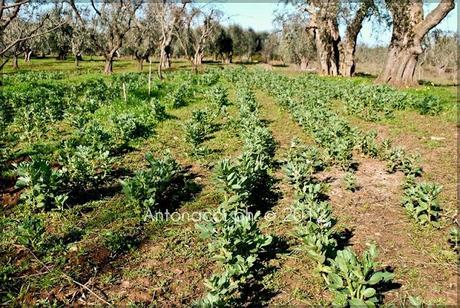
(372, 213)
(169, 268)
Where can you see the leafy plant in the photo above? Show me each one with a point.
(349, 182)
(128, 126)
(352, 279)
(146, 189)
(85, 166)
(218, 97)
(428, 104)
(197, 130)
(421, 203)
(42, 184)
(180, 95)
(236, 244)
(398, 160)
(315, 228)
(368, 145)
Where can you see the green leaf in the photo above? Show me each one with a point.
(355, 302)
(369, 292)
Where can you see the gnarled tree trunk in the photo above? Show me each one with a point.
(108, 68)
(324, 28)
(15, 62)
(78, 58)
(328, 51)
(348, 45)
(303, 64)
(140, 64)
(28, 55)
(409, 29)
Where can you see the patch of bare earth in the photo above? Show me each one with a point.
(169, 271)
(374, 214)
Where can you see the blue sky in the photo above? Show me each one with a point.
(259, 16)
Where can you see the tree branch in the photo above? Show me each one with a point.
(30, 36)
(434, 18)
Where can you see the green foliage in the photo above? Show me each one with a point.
(122, 240)
(368, 145)
(158, 110)
(421, 203)
(349, 182)
(30, 232)
(128, 126)
(85, 166)
(180, 96)
(41, 183)
(398, 160)
(145, 190)
(236, 244)
(352, 279)
(301, 163)
(430, 105)
(315, 223)
(197, 129)
(218, 97)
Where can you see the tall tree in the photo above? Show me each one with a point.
(354, 13)
(26, 11)
(409, 28)
(194, 36)
(224, 46)
(324, 28)
(143, 39)
(336, 54)
(167, 16)
(109, 25)
(297, 44)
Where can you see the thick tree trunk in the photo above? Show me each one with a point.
(28, 55)
(78, 58)
(61, 56)
(348, 45)
(325, 30)
(409, 27)
(328, 58)
(400, 67)
(165, 57)
(303, 63)
(347, 60)
(15, 62)
(198, 59)
(108, 68)
(140, 64)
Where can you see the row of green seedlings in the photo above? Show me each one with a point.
(339, 139)
(189, 85)
(420, 199)
(351, 278)
(202, 122)
(30, 108)
(85, 160)
(236, 240)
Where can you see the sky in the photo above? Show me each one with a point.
(259, 16)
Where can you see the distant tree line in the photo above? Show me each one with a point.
(195, 31)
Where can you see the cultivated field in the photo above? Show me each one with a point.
(233, 186)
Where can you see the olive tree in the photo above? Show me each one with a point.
(108, 25)
(297, 44)
(15, 14)
(410, 25)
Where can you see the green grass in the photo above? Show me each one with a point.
(168, 258)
